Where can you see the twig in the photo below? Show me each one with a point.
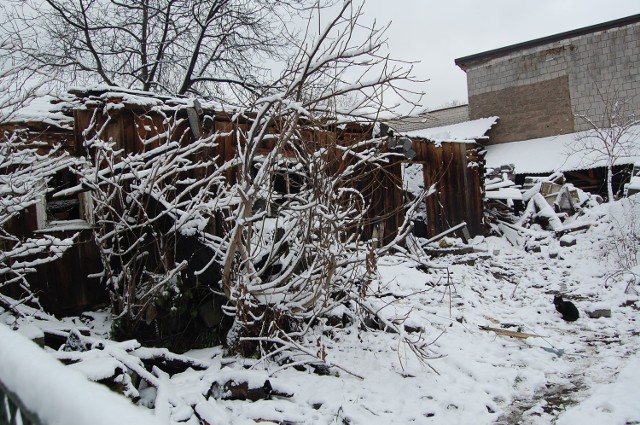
(292, 344)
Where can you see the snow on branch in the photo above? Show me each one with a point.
(25, 171)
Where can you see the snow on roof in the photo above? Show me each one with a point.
(464, 132)
(140, 98)
(551, 154)
(45, 109)
(103, 89)
(132, 97)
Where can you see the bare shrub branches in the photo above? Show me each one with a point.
(298, 245)
(25, 170)
(613, 135)
(621, 249)
(145, 205)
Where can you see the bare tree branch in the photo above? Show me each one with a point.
(613, 135)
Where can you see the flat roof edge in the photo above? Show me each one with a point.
(548, 39)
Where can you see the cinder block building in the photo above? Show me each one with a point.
(538, 87)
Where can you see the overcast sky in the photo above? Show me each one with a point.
(438, 32)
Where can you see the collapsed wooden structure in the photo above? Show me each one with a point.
(454, 169)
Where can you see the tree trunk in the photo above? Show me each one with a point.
(609, 183)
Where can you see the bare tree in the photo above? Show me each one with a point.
(212, 48)
(20, 81)
(307, 252)
(613, 135)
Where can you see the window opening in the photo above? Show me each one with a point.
(61, 208)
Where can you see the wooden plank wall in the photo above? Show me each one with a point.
(456, 171)
(62, 287)
(381, 187)
(447, 165)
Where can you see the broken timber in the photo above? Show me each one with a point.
(512, 334)
(463, 230)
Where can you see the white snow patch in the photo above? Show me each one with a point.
(465, 132)
(57, 394)
(42, 109)
(612, 403)
(551, 154)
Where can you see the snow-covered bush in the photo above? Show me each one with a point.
(151, 211)
(296, 225)
(292, 257)
(621, 246)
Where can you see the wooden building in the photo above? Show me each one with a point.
(454, 168)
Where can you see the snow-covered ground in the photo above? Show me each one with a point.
(583, 372)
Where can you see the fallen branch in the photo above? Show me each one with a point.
(292, 345)
(463, 226)
(417, 345)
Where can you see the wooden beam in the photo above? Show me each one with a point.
(512, 334)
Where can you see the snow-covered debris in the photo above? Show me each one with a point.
(482, 377)
(633, 186)
(548, 201)
(505, 193)
(56, 394)
(499, 185)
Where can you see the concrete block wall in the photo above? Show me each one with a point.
(517, 69)
(536, 91)
(604, 68)
(529, 111)
(451, 115)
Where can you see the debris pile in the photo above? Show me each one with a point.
(523, 213)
